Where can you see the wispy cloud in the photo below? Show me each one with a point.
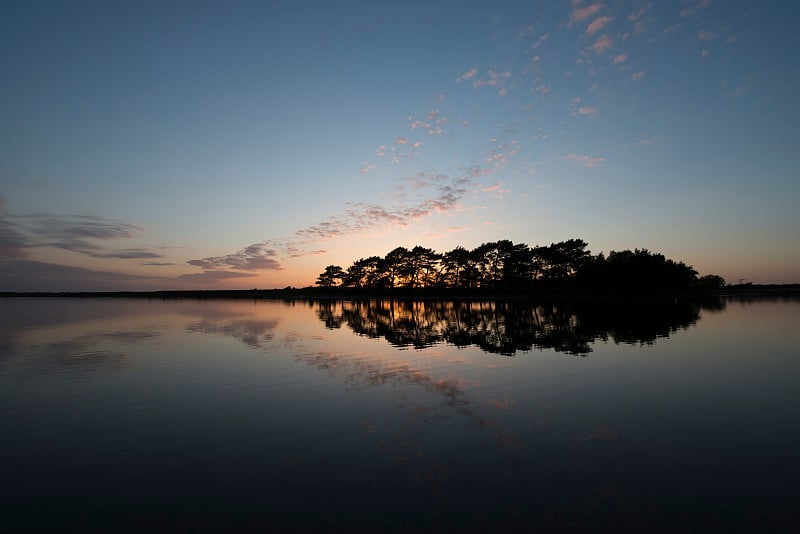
(586, 161)
(580, 12)
(598, 24)
(738, 91)
(12, 243)
(637, 75)
(20, 274)
(636, 15)
(251, 258)
(620, 58)
(214, 275)
(706, 35)
(361, 218)
(602, 44)
(689, 11)
(578, 108)
(124, 254)
(467, 75)
(82, 234)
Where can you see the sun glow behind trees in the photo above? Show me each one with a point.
(503, 266)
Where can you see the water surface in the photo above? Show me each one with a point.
(243, 415)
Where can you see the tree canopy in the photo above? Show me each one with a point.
(504, 267)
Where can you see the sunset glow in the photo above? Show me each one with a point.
(152, 146)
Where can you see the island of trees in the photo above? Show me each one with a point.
(507, 268)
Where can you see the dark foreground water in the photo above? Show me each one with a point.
(237, 415)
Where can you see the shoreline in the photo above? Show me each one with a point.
(313, 293)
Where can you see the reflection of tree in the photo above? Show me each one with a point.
(508, 327)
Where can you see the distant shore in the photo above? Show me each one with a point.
(316, 293)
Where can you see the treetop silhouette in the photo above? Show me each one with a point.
(505, 267)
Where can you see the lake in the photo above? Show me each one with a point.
(225, 415)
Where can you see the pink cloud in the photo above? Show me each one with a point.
(400, 141)
(586, 161)
(579, 14)
(620, 58)
(467, 75)
(637, 75)
(602, 44)
(633, 17)
(251, 258)
(588, 110)
(598, 24)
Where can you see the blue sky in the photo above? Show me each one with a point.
(189, 144)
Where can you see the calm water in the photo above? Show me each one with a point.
(241, 415)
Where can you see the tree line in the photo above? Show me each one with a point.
(507, 267)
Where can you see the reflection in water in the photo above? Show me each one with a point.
(255, 333)
(81, 354)
(263, 416)
(510, 326)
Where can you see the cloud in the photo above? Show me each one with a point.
(598, 24)
(74, 227)
(467, 75)
(633, 17)
(368, 167)
(75, 233)
(637, 75)
(158, 263)
(496, 189)
(214, 275)
(18, 274)
(739, 91)
(706, 35)
(620, 58)
(400, 141)
(581, 13)
(12, 243)
(361, 218)
(689, 11)
(586, 161)
(125, 254)
(588, 110)
(602, 44)
(251, 258)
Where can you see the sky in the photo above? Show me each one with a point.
(214, 145)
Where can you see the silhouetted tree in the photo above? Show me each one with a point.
(396, 267)
(636, 271)
(519, 269)
(711, 282)
(329, 277)
(458, 268)
(563, 259)
(490, 259)
(502, 266)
